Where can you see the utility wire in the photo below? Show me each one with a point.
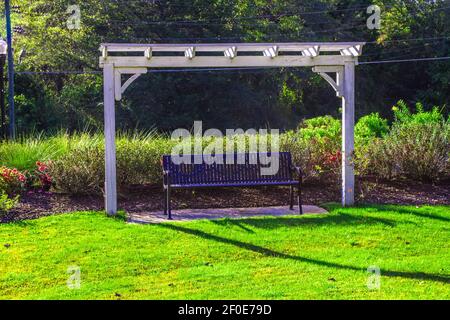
(222, 69)
(405, 60)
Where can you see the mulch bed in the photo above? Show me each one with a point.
(142, 199)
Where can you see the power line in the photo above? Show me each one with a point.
(220, 69)
(404, 60)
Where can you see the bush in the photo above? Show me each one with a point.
(369, 127)
(81, 171)
(418, 151)
(403, 115)
(416, 147)
(12, 181)
(368, 131)
(139, 159)
(7, 203)
(316, 146)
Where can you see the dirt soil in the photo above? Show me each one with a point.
(142, 199)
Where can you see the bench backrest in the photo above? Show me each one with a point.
(235, 168)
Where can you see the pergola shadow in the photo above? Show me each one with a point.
(276, 254)
(280, 222)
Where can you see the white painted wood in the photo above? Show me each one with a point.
(119, 88)
(129, 81)
(189, 52)
(343, 64)
(330, 81)
(221, 47)
(110, 145)
(230, 52)
(336, 84)
(117, 85)
(355, 50)
(311, 52)
(148, 53)
(130, 70)
(271, 52)
(348, 124)
(226, 62)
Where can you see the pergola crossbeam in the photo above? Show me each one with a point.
(325, 58)
(227, 61)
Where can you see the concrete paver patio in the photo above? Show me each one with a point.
(232, 213)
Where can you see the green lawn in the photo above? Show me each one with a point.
(293, 257)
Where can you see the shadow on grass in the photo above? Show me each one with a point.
(419, 212)
(326, 219)
(276, 254)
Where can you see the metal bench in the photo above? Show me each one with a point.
(243, 171)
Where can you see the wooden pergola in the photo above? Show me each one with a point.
(335, 62)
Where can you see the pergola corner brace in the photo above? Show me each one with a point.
(119, 87)
(336, 84)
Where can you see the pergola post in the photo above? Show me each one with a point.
(110, 136)
(348, 138)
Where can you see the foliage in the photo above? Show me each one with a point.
(369, 127)
(12, 181)
(43, 175)
(81, 171)
(322, 136)
(253, 98)
(417, 146)
(417, 151)
(255, 258)
(7, 203)
(404, 116)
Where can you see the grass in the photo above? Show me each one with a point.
(292, 257)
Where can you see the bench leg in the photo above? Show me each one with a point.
(300, 209)
(291, 195)
(165, 201)
(169, 211)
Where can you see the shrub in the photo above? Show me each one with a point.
(42, 175)
(301, 153)
(369, 127)
(368, 130)
(317, 145)
(418, 151)
(7, 203)
(81, 171)
(403, 114)
(139, 159)
(12, 181)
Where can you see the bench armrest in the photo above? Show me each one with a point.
(299, 173)
(297, 170)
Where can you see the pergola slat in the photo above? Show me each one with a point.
(221, 47)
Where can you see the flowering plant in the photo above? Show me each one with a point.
(43, 175)
(12, 181)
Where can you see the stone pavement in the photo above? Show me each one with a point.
(232, 213)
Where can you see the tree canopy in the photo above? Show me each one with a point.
(57, 85)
